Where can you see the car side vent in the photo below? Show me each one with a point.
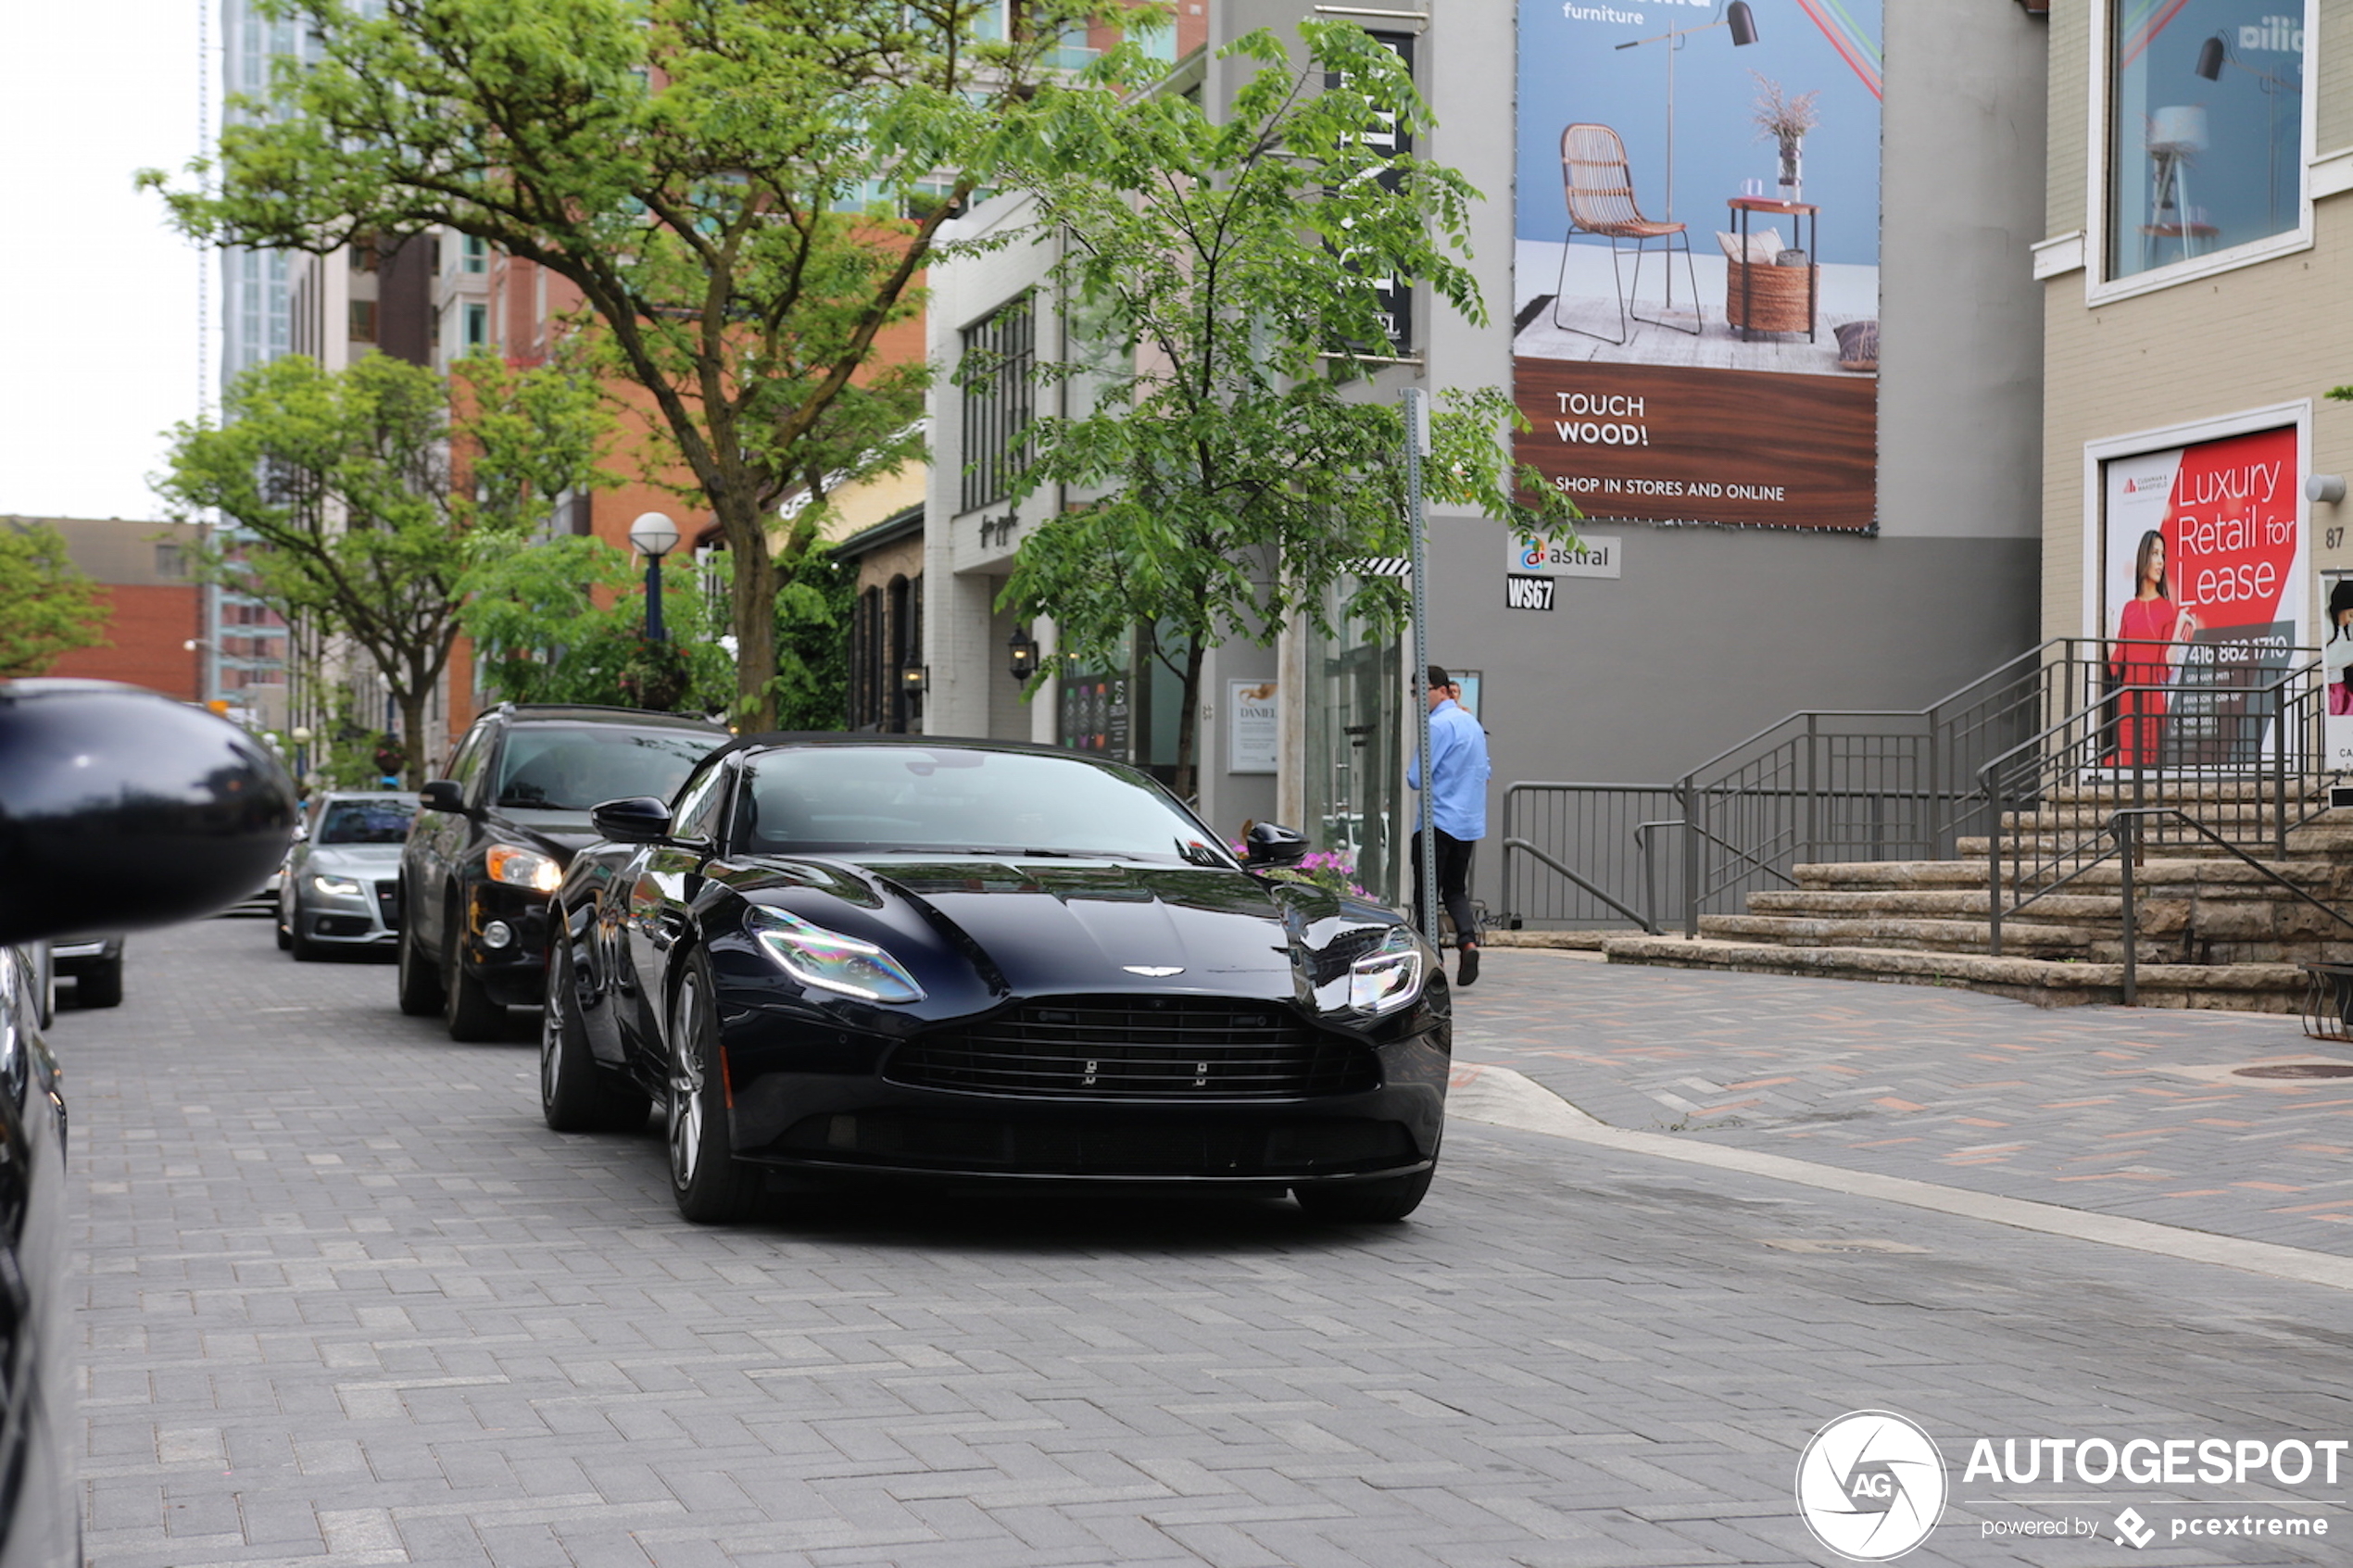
(1138, 1047)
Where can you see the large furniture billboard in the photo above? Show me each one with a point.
(1696, 267)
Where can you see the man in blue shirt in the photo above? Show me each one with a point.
(1458, 775)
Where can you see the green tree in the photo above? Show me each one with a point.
(565, 623)
(719, 178)
(1229, 263)
(365, 493)
(47, 608)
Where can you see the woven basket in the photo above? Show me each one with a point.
(1776, 296)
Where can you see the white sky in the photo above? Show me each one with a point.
(101, 337)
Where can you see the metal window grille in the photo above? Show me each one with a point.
(998, 400)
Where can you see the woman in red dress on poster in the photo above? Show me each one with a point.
(2148, 638)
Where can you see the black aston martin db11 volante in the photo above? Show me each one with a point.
(871, 955)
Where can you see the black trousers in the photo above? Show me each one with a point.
(1453, 884)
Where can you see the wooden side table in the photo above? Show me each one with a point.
(1805, 235)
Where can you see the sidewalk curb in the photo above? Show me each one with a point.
(1501, 1097)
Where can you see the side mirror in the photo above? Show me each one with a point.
(1271, 844)
(443, 794)
(121, 809)
(640, 819)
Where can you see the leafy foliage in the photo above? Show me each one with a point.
(564, 621)
(1224, 268)
(357, 523)
(48, 607)
(722, 180)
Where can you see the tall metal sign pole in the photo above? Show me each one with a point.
(1416, 684)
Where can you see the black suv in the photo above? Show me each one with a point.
(495, 836)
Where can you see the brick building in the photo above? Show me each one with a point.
(156, 621)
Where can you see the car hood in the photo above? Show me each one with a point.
(356, 859)
(567, 832)
(1043, 927)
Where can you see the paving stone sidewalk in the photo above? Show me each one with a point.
(347, 1303)
(2134, 1111)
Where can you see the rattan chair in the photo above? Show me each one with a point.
(1600, 193)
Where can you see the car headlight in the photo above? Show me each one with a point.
(1388, 977)
(522, 868)
(814, 956)
(339, 886)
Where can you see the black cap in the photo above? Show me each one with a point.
(1438, 676)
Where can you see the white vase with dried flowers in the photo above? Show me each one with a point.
(1786, 118)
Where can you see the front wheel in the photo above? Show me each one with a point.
(419, 986)
(1379, 1202)
(466, 1006)
(100, 988)
(574, 1095)
(711, 1185)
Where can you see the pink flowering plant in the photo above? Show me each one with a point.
(1332, 869)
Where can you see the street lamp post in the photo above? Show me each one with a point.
(655, 536)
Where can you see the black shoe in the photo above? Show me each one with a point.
(1467, 968)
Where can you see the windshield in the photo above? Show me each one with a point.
(366, 822)
(847, 797)
(565, 770)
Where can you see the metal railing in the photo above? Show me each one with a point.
(1825, 785)
(2127, 828)
(1870, 785)
(2230, 754)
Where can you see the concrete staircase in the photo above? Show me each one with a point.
(2212, 932)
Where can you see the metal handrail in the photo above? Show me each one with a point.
(2126, 825)
(2057, 752)
(1526, 848)
(1828, 784)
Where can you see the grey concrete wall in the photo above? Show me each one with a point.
(1710, 635)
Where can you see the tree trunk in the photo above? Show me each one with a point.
(1189, 723)
(752, 603)
(412, 731)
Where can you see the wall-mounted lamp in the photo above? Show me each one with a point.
(1021, 654)
(2325, 487)
(912, 680)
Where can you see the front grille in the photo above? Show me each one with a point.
(1138, 1047)
(388, 904)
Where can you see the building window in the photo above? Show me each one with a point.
(170, 561)
(473, 253)
(363, 320)
(477, 326)
(2206, 128)
(998, 400)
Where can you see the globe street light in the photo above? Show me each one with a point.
(655, 536)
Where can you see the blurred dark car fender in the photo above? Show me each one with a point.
(122, 809)
(119, 809)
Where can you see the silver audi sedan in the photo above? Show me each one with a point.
(339, 889)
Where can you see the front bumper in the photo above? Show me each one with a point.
(370, 917)
(815, 1098)
(514, 974)
(80, 958)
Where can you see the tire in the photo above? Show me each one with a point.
(290, 937)
(575, 1095)
(711, 1185)
(1381, 1202)
(100, 988)
(466, 1007)
(420, 980)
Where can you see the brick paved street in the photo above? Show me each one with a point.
(348, 1302)
(2128, 1111)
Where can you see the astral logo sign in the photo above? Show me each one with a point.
(1871, 1485)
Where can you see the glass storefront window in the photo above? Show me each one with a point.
(2206, 127)
(1354, 754)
